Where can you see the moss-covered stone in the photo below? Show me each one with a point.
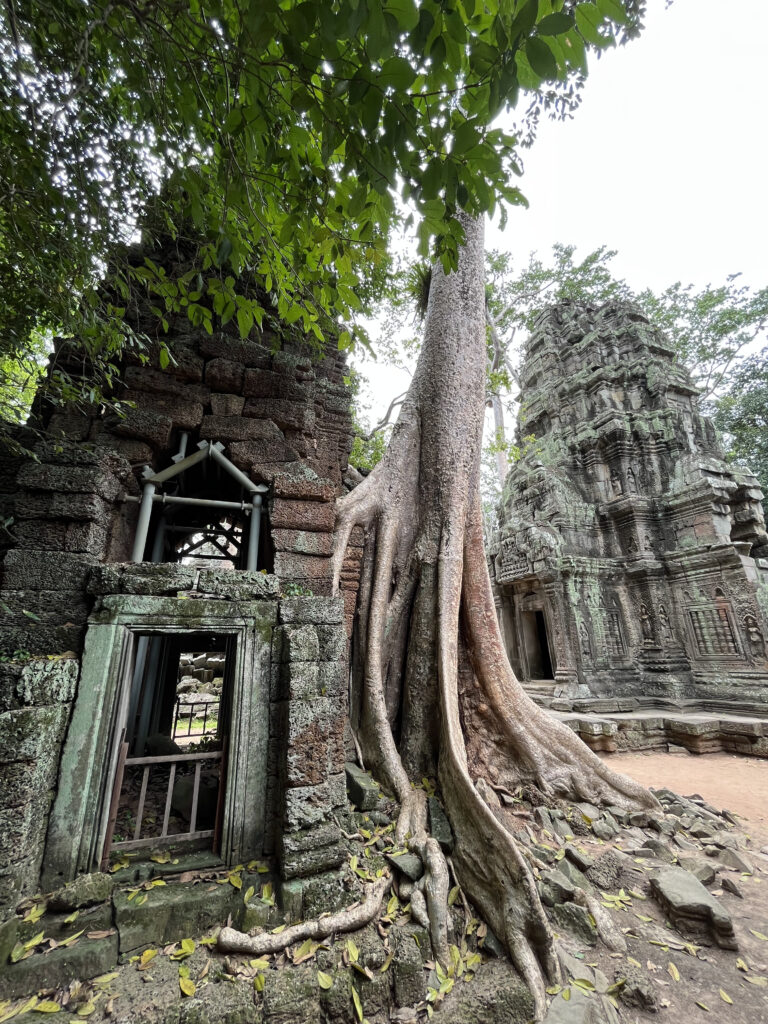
(291, 996)
(171, 913)
(87, 958)
(84, 891)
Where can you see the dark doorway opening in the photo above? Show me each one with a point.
(169, 785)
(536, 644)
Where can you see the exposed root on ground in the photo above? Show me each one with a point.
(230, 940)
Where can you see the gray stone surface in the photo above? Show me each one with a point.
(84, 891)
(439, 826)
(362, 790)
(577, 921)
(692, 907)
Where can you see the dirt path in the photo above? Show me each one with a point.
(724, 780)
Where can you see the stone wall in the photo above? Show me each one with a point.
(632, 559)
(43, 707)
(278, 409)
(35, 703)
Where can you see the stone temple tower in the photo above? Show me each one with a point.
(632, 558)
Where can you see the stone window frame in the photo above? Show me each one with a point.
(716, 606)
(78, 821)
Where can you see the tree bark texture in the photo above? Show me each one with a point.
(436, 694)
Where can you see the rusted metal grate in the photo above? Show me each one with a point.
(189, 711)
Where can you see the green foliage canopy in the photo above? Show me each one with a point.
(283, 130)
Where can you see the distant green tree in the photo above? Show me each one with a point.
(741, 416)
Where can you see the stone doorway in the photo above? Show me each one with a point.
(171, 759)
(533, 628)
(98, 736)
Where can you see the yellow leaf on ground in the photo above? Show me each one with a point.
(358, 1004)
(673, 971)
(324, 980)
(47, 1006)
(759, 935)
(725, 997)
(146, 959)
(86, 1009)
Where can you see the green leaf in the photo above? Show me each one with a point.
(406, 12)
(324, 980)
(234, 120)
(396, 72)
(555, 24)
(541, 58)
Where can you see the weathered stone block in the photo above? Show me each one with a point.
(576, 920)
(286, 414)
(301, 643)
(31, 734)
(184, 413)
(87, 958)
(69, 480)
(291, 996)
(164, 382)
(43, 570)
(48, 682)
(303, 681)
(333, 643)
(241, 585)
(238, 428)
(241, 352)
(146, 426)
(263, 450)
(333, 678)
(410, 983)
(307, 569)
(692, 907)
(23, 828)
(142, 578)
(316, 610)
(306, 806)
(302, 863)
(84, 891)
(224, 375)
(62, 507)
(303, 542)
(301, 487)
(172, 913)
(302, 515)
(268, 384)
(362, 790)
(227, 405)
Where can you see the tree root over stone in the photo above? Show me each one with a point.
(230, 940)
(433, 691)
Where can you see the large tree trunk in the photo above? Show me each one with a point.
(437, 694)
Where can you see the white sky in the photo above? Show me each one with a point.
(666, 160)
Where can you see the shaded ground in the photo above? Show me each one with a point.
(385, 974)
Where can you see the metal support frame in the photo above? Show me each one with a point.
(253, 534)
(181, 463)
(142, 526)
